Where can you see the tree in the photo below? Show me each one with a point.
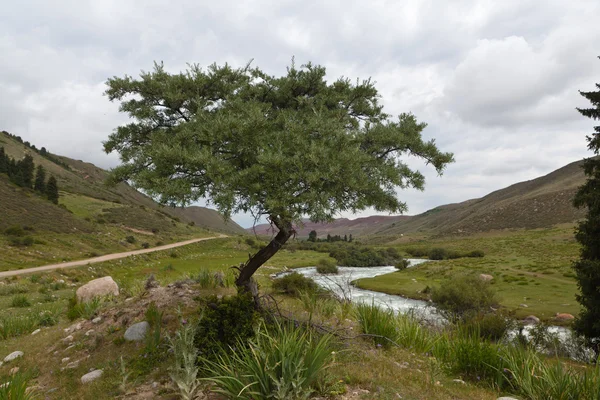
(27, 169)
(52, 190)
(328, 237)
(280, 147)
(3, 161)
(40, 180)
(587, 268)
(345, 238)
(312, 236)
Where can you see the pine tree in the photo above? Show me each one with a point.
(587, 268)
(27, 169)
(52, 190)
(312, 236)
(40, 180)
(3, 161)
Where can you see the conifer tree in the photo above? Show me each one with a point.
(587, 268)
(52, 190)
(3, 161)
(27, 168)
(40, 180)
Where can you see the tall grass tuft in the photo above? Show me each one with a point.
(379, 322)
(87, 310)
(20, 300)
(282, 362)
(413, 335)
(13, 288)
(17, 325)
(15, 388)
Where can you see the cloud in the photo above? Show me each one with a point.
(497, 81)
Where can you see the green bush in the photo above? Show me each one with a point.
(325, 266)
(87, 310)
(437, 253)
(14, 230)
(280, 363)
(130, 239)
(223, 321)
(417, 252)
(476, 254)
(145, 245)
(20, 300)
(489, 326)
(462, 295)
(402, 265)
(293, 284)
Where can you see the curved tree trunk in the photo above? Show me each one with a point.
(244, 281)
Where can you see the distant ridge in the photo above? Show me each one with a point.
(537, 203)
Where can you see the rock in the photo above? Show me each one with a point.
(459, 381)
(523, 305)
(154, 385)
(506, 398)
(68, 339)
(97, 288)
(91, 376)
(531, 320)
(72, 365)
(564, 317)
(64, 360)
(137, 332)
(88, 333)
(486, 277)
(1, 363)
(12, 356)
(38, 330)
(97, 320)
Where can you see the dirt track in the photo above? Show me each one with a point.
(107, 257)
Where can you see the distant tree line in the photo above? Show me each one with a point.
(42, 152)
(23, 173)
(312, 237)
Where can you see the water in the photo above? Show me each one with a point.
(340, 283)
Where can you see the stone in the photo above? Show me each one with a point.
(12, 356)
(523, 305)
(564, 317)
(64, 360)
(36, 332)
(88, 333)
(531, 320)
(459, 381)
(97, 320)
(137, 332)
(91, 376)
(68, 339)
(506, 398)
(72, 365)
(486, 277)
(97, 288)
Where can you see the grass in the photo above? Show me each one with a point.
(529, 267)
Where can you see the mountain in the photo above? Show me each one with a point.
(538, 203)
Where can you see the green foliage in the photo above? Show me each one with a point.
(587, 234)
(13, 288)
(154, 337)
(402, 265)
(377, 321)
(52, 189)
(223, 322)
(184, 372)
(462, 295)
(20, 300)
(130, 239)
(15, 388)
(438, 253)
(325, 266)
(294, 283)
(280, 363)
(87, 310)
(40, 180)
(145, 245)
(489, 326)
(312, 236)
(15, 230)
(362, 256)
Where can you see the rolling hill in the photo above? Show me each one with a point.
(538, 203)
(91, 217)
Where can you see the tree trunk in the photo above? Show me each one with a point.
(244, 281)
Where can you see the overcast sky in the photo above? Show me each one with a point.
(497, 81)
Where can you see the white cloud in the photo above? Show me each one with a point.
(497, 81)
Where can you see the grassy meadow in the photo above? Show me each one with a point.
(531, 268)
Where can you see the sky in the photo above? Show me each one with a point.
(496, 81)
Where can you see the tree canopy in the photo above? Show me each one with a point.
(587, 268)
(283, 147)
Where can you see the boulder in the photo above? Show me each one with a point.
(564, 317)
(97, 288)
(506, 398)
(531, 320)
(91, 376)
(486, 277)
(137, 332)
(12, 356)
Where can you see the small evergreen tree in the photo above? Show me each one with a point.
(40, 180)
(52, 190)
(587, 268)
(345, 238)
(27, 168)
(3, 161)
(312, 236)
(43, 152)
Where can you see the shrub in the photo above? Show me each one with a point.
(462, 295)
(437, 253)
(402, 264)
(20, 300)
(281, 363)
(476, 254)
(417, 252)
(87, 310)
(27, 241)
(130, 239)
(325, 266)
(223, 322)
(377, 321)
(490, 326)
(145, 245)
(293, 284)
(14, 230)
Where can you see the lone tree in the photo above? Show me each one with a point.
(40, 180)
(52, 190)
(281, 147)
(587, 267)
(312, 236)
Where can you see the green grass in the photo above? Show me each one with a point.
(529, 267)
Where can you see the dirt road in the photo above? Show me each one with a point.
(106, 257)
